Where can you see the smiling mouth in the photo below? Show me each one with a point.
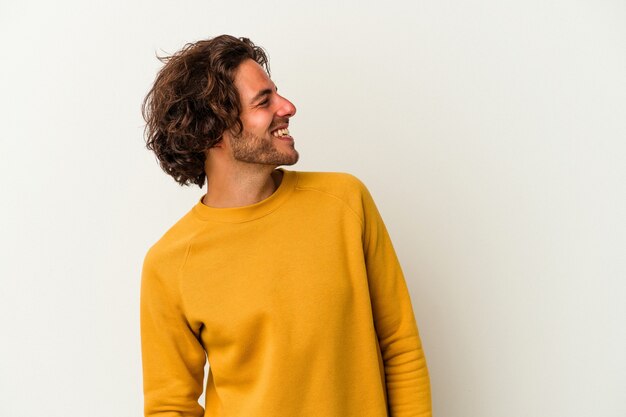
(279, 133)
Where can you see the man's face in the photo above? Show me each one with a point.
(265, 117)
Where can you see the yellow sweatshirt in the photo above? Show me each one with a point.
(297, 301)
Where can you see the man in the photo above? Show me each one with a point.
(286, 281)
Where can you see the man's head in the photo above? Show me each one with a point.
(265, 137)
(214, 91)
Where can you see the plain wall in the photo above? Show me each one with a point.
(491, 134)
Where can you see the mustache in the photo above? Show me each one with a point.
(279, 122)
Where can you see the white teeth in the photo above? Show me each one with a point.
(281, 132)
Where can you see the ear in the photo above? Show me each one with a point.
(220, 141)
(225, 140)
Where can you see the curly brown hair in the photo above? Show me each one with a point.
(193, 101)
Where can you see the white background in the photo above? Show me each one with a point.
(491, 134)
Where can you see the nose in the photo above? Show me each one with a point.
(285, 108)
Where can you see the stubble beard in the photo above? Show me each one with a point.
(250, 148)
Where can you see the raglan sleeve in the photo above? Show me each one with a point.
(173, 358)
(406, 373)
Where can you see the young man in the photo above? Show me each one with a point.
(286, 281)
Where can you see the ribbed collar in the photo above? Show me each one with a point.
(251, 212)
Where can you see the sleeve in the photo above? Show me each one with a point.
(406, 373)
(172, 356)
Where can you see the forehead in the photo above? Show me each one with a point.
(251, 78)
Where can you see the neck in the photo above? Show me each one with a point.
(242, 185)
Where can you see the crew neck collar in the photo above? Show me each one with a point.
(253, 211)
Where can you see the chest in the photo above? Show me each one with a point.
(250, 281)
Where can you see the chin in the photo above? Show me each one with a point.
(293, 158)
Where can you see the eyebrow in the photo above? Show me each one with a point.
(262, 93)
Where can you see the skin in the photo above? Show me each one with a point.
(241, 169)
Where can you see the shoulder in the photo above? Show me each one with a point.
(170, 250)
(337, 185)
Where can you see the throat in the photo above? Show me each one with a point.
(241, 191)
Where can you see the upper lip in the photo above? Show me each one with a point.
(284, 126)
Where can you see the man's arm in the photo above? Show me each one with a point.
(408, 384)
(173, 358)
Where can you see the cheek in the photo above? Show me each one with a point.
(258, 122)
